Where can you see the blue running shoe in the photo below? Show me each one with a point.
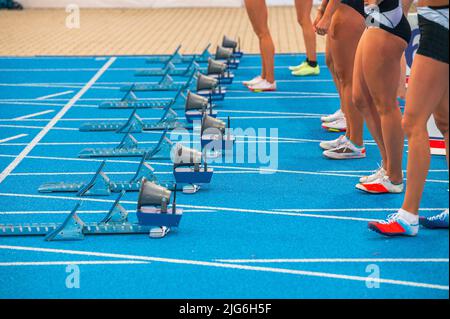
(435, 222)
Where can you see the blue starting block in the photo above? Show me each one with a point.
(165, 84)
(177, 57)
(157, 224)
(170, 69)
(129, 147)
(233, 45)
(226, 55)
(219, 71)
(196, 105)
(101, 184)
(215, 136)
(131, 101)
(134, 124)
(210, 88)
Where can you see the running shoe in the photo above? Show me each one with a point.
(346, 151)
(263, 86)
(307, 70)
(381, 185)
(333, 117)
(339, 125)
(435, 222)
(254, 81)
(298, 67)
(395, 225)
(329, 145)
(380, 172)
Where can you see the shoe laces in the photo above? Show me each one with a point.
(391, 218)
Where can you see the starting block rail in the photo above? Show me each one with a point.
(165, 84)
(177, 57)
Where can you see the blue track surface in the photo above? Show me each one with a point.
(305, 223)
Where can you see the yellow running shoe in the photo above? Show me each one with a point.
(307, 70)
(298, 67)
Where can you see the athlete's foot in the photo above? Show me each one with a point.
(436, 222)
(380, 172)
(346, 151)
(333, 117)
(254, 81)
(263, 86)
(401, 223)
(329, 145)
(298, 67)
(339, 125)
(307, 70)
(382, 185)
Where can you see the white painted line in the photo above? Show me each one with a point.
(115, 173)
(87, 212)
(75, 262)
(53, 95)
(335, 260)
(32, 115)
(53, 122)
(39, 127)
(262, 96)
(302, 210)
(12, 138)
(229, 266)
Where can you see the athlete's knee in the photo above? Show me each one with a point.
(441, 123)
(304, 20)
(412, 124)
(360, 101)
(342, 73)
(263, 33)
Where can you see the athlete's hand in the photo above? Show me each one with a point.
(323, 26)
(317, 20)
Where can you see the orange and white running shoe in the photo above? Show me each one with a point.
(381, 185)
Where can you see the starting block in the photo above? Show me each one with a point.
(234, 45)
(101, 184)
(131, 101)
(157, 224)
(216, 136)
(134, 124)
(210, 88)
(177, 57)
(220, 71)
(165, 84)
(188, 168)
(196, 105)
(170, 69)
(226, 55)
(129, 147)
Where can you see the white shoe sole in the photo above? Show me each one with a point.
(340, 157)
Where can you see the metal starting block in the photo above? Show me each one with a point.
(210, 88)
(128, 147)
(131, 101)
(189, 167)
(157, 225)
(226, 55)
(234, 45)
(101, 184)
(219, 71)
(215, 136)
(134, 124)
(177, 57)
(166, 84)
(170, 69)
(196, 106)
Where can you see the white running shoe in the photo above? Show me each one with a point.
(333, 117)
(382, 185)
(254, 81)
(339, 125)
(329, 145)
(263, 86)
(380, 172)
(346, 151)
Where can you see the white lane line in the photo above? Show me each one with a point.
(12, 138)
(335, 260)
(269, 97)
(302, 210)
(75, 262)
(115, 173)
(43, 128)
(291, 93)
(53, 122)
(87, 212)
(53, 95)
(229, 266)
(24, 117)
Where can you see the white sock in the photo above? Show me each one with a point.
(408, 217)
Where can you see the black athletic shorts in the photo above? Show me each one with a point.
(433, 40)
